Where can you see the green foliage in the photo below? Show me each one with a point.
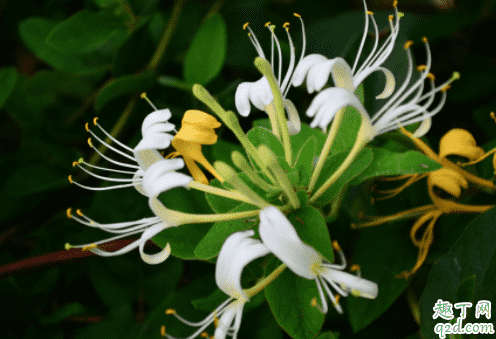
(8, 79)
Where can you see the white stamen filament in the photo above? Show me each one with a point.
(82, 162)
(110, 147)
(364, 37)
(114, 161)
(112, 138)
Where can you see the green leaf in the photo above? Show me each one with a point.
(207, 52)
(60, 314)
(262, 136)
(362, 161)
(328, 335)
(289, 298)
(173, 82)
(312, 229)
(35, 178)
(209, 247)
(108, 3)
(298, 140)
(85, 32)
(8, 79)
(123, 86)
(220, 204)
(474, 254)
(34, 32)
(347, 132)
(388, 163)
(382, 252)
(304, 161)
(466, 288)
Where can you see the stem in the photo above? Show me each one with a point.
(164, 40)
(206, 218)
(264, 68)
(411, 213)
(220, 192)
(273, 120)
(327, 147)
(265, 281)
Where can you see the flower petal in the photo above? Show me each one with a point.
(352, 283)
(341, 75)
(261, 94)
(304, 66)
(294, 122)
(159, 257)
(160, 177)
(156, 117)
(238, 250)
(235, 309)
(242, 99)
(423, 128)
(280, 237)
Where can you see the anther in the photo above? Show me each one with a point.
(431, 76)
(371, 13)
(86, 127)
(355, 267)
(70, 178)
(286, 26)
(246, 25)
(249, 34)
(408, 44)
(89, 247)
(297, 15)
(455, 76)
(216, 321)
(391, 17)
(170, 311)
(94, 120)
(493, 116)
(267, 24)
(68, 213)
(67, 246)
(395, 3)
(204, 335)
(445, 88)
(424, 39)
(78, 212)
(353, 226)
(162, 331)
(421, 67)
(314, 303)
(89, 142)
(337, 296)
(74, 163)
(336, 246)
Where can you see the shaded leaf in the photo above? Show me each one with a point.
(60, 314)
(8, 79)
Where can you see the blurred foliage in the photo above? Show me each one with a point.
(66, 61)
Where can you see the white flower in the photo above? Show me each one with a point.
(259, 92)
(159, 177)
(280, 237)
(238, 250)
(154, 129)
(316, 68)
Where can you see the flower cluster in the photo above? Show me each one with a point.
(267, 179)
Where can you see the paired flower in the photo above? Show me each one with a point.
(237, 251)
(280, 237)
(259, 93)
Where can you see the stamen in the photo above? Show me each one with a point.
(297, 15)
(370, 13)
(86, 127)
(245, 25)
(336, 299)
(424, 39)
(68, 213)
(74, 163)
(431, 76)
(395, 3)
(170, 310)
(493, 116)
(286, 25)
(70, 179)
(143, 96)
(445, 88)
(89, 140)
(356, 268)
(94, 120)
(216, 320)
(267, 24)
(162, 331)
(421, 68)
(204, 335)
(336, 246)
(408, 44)
(390, 17)
(89, 247)
(78, 212)
(315, 304)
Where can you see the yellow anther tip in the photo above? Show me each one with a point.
(245, 25)
(336, 246)
(89, 247)
(78, 212)
(162, 331)
(395, 3)
(94, 120)
(337, 296)
(424, 39)
(89, 142)
(408, 44)
(401, 14)
(267, 23)
(68, 213)
(67, 246)
(313, 302)
(371, 13)
(80, 160)
(492, 115)
(355, 267)
(204, 335)
(86, 127)
(431, 76)
(421, 67)
(70, 178)
(445, 88)
(74, 163)
(285, 25)
(170, 311)
(143, 95)
(390, 17)
(297, 15)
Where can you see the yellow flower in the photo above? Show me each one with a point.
(197, 129)
(459, 142)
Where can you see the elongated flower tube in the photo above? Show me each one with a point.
(259, 93)
(316, 68)
(238, 250)
(197, 129)
(281, 238)
(154, 130)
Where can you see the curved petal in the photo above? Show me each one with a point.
(304, 66)
(294, 122)
(138, 178)
(319, 100)
(238, 250)
(147, 156)
(157, 140)
(388, 87)
(352, 283)
(235, 309)
(157, 117)
(242, 98)
(260, 93)
(159, 257)
(160, 177)
(280, 237)
(423, 128)
(338, 68)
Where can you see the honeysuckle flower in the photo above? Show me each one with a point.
(154, 130)
(159, 177)
(238, 250)
(460, 142)
(197, 129)
(316, 67)
(259, 93)
(281, 239)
